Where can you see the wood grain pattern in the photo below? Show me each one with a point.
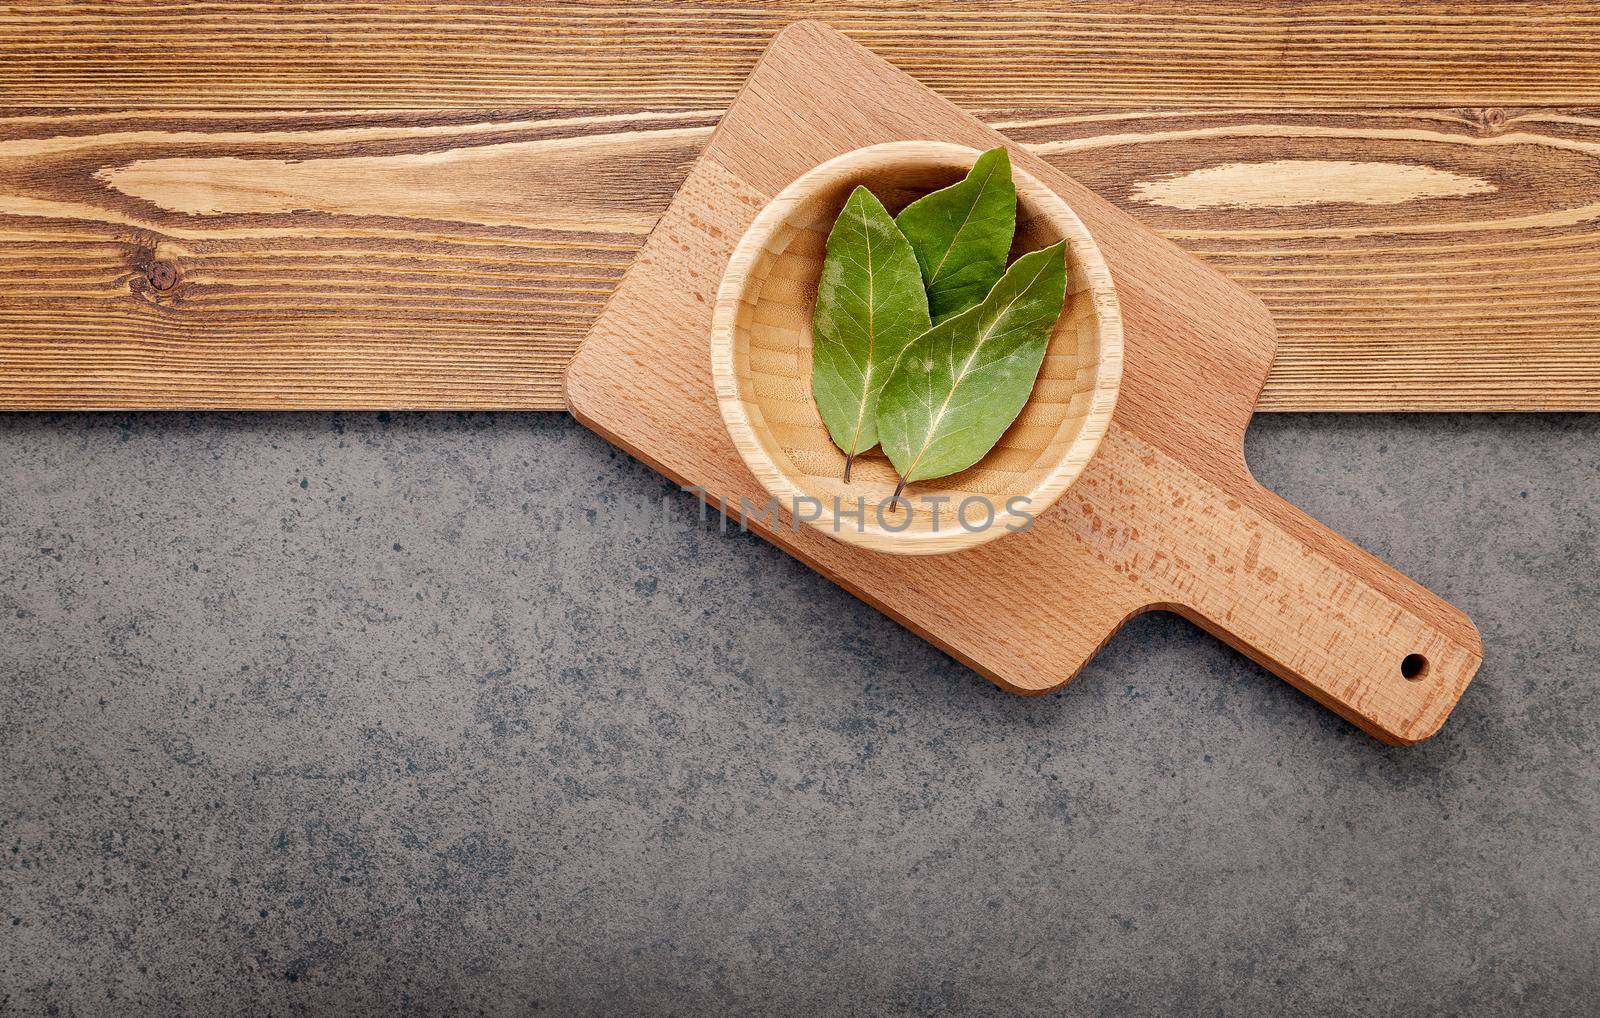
(453, 259)
(1166, 514)
(402, 54)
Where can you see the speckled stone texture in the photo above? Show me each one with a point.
(371, 714)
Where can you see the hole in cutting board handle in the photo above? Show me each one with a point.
(1413, 667)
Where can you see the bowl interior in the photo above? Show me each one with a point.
(773, 279)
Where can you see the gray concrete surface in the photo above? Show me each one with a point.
(317, 714)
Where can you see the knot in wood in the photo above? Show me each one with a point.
(162, 276)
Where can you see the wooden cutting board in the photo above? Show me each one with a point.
(1167, 514)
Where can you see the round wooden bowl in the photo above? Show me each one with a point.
(761, 365)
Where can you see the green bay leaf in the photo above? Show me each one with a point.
(962, 234)
(870, 305)
(959, 385)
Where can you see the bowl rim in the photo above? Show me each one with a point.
(724, 330)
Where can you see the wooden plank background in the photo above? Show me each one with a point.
(393, 204)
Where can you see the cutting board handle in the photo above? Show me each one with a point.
(1340, 625)
(1257, 572)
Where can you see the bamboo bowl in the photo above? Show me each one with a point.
(761, 365)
